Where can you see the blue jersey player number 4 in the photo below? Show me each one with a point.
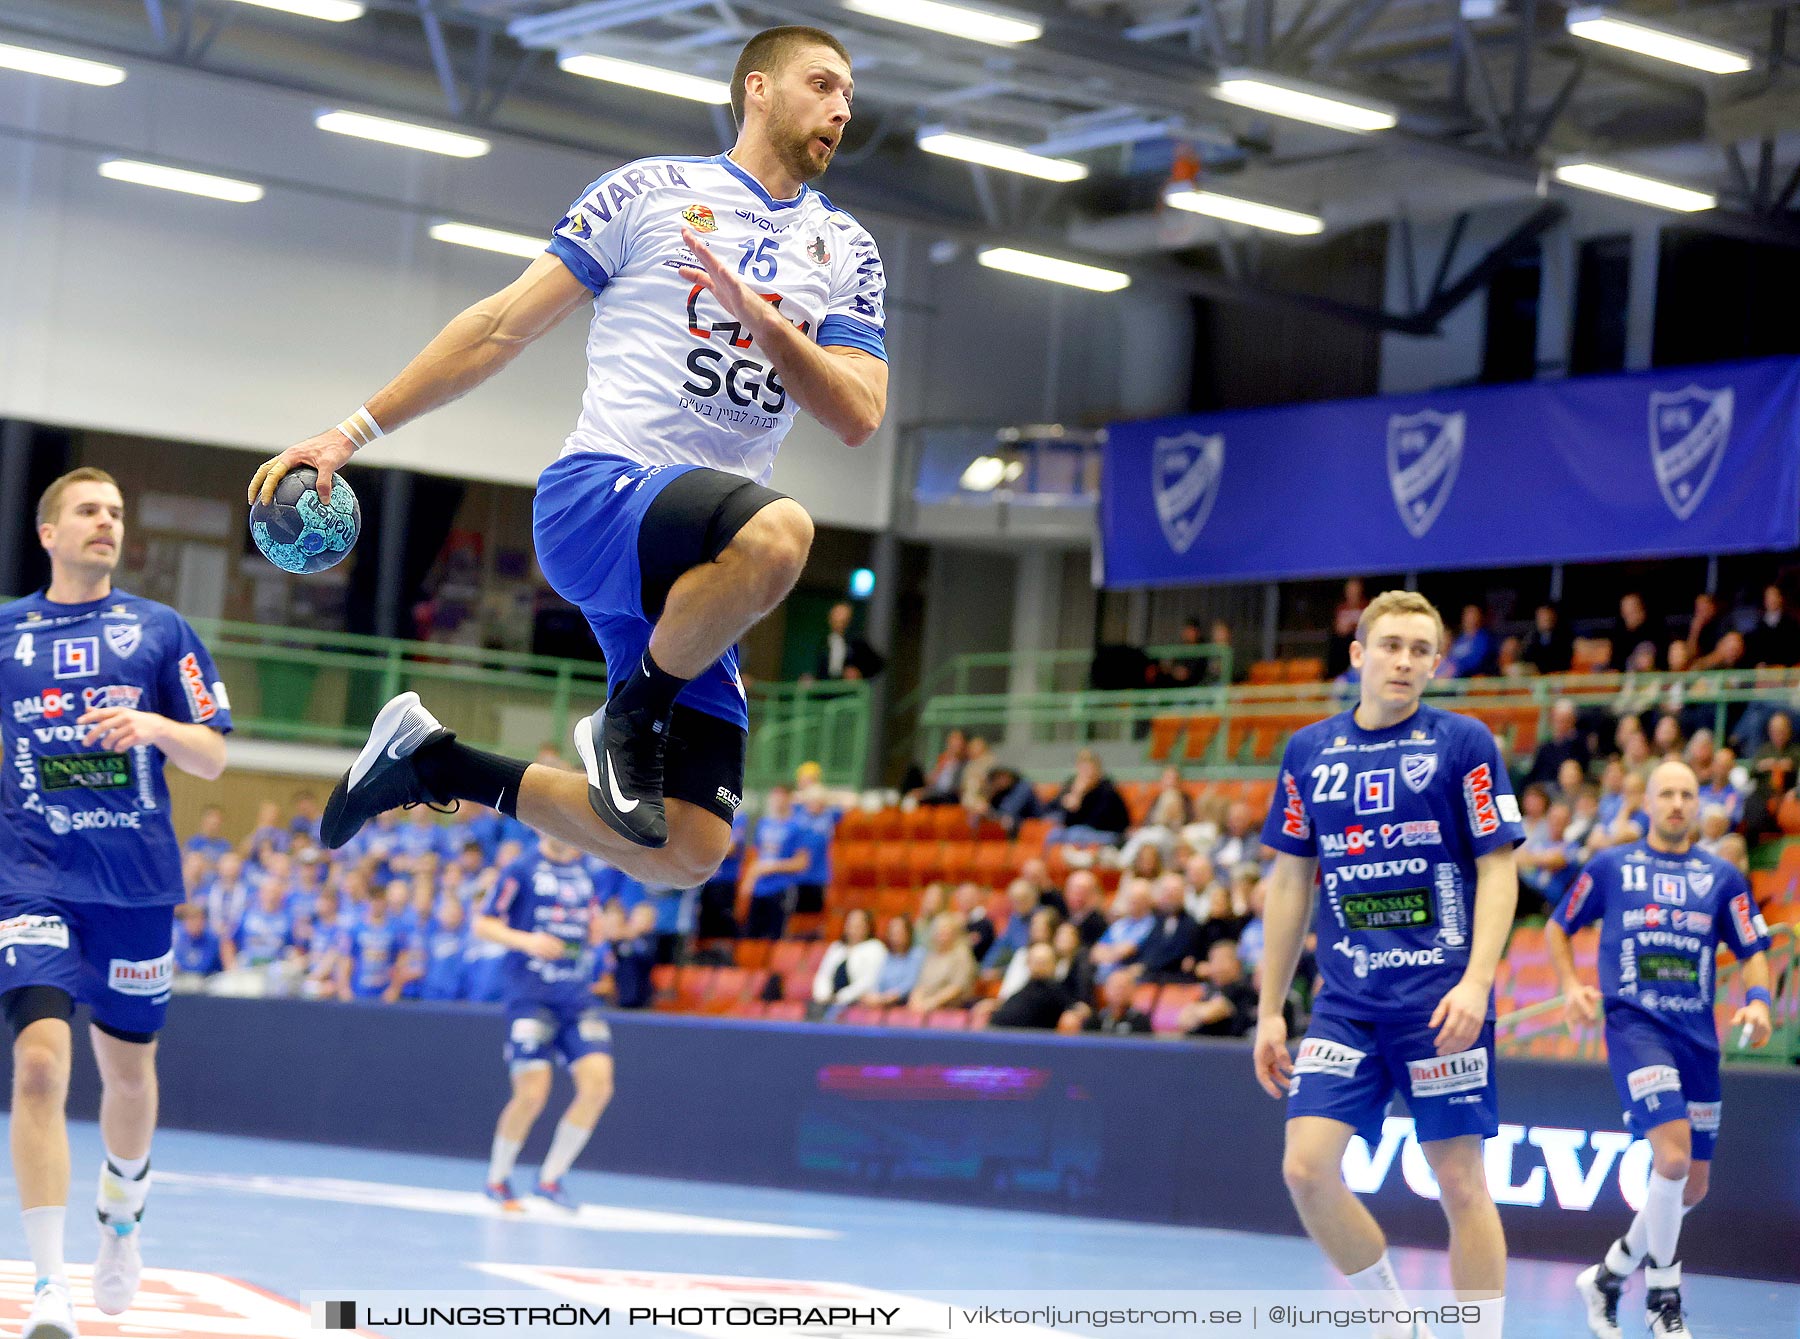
(1393, 827)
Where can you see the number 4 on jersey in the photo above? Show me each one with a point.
(23, 652)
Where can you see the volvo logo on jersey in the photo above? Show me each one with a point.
(1689, 431)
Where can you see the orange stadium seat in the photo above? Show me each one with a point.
(1201, 731)
(957, 860)
(1305, 669)
(924, 862)
(855, 826)
(786, 1011)
(1788, 813)
(920, 824)
(950, 823)
(752, 953)
(1032, 833)
(1164, 731)
(1143, 999)
(1266, 671)
(853, 863)
(885, 825)
(948, 1020)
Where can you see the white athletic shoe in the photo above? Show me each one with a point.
(1602, 1305)
(52, 1315)
(1663, 1317)
(117, 1269)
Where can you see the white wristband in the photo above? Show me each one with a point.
(361, 428)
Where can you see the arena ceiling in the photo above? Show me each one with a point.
(1489, 98)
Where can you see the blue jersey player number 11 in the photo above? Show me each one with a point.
(1393, 827)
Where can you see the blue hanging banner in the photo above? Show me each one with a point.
(1698, 460)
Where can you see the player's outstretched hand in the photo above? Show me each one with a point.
(1756, 1018)
(120, 729)
(1459, 1017)
(737, 297)
(326, 453)
(543, 944)
(1274, 1066)
(1581, 1004)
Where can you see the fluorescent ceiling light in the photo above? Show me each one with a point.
(1303, 102)
(651, 77)
(1006, 157)
(978, 25)
(1234, 210)
(489, 239)
(1631, 186)
(178, 179)
(1034, 266)
(332, 11)
(32, 61)
(1649, 39)
(403, 133)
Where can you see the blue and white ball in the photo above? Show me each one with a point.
(299, 533)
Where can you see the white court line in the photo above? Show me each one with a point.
(472, 1204)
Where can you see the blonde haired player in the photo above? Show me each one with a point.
(1401, 817)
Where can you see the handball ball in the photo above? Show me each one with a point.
(299, 533)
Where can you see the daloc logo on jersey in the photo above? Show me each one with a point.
(1184, 473)
(1417, 769)
(1424, 453)
(1689, 431)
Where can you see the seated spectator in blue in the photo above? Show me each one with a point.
(196, 947)
(209, 841)
(418, 839)
(269, 834)
(265, 932)
(718, 896)
(1548, 862)
(817, 820)
(1090, 808)
(303, 821)
(417, 910)
(370, 849)
(304, 886)
(367, 968)
(1474, 651)
(226, 895)
(1021, 904)
(1718, 790)
(1171, 950)
(773, 867)
(634, 956)
(851, 966)
(1010, 799)
(444, 950)
(970, 902)
(900, 969)
(1119, 946)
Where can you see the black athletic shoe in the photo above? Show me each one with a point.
(624, 759)
(1662, 1313)
(383, 776)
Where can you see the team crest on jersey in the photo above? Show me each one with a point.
(1689, 431)
(1424, 454)
(124, 637)
(816, 250)
(700, 218)
(1417, 769)
(1701, 881)
(1184, 475)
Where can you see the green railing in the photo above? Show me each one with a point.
(1523, 1031)
(303, 685)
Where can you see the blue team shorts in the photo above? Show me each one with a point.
(119, 961)
(1349, 1071)
(585, 521)
(1663, 1076)
(539, 1034)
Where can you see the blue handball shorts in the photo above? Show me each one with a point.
(1349, 1071)
(585, 521)
(119, 961)
(539, 1034)
(1663, 1076)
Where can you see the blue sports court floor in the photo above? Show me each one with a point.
(303, 1222)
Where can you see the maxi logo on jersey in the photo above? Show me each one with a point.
(1293, 815)
(1478, 794)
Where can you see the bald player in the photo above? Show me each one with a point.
(1664, 906)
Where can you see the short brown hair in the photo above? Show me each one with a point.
(1399, 602)
(769, 51)
(50, 504)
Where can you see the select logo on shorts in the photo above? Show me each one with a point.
(1652, 1079)
(1375, 792)
(34, 932)
(148, 979)
(76, 657)
(729, 800)
(334, 1315)
(1318, 1056)
(1478, 794)
(202, 705)
(1463, 1072)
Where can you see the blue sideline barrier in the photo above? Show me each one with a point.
(1155, 1131)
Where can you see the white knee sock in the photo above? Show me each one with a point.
(565, 1147)
(124, 1187)
(1662, 1218)
(44, 1238)
(500, 1161)
(1379, 1285)
(1487, 1325)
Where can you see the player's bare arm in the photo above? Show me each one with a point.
(1293, 888)
(198, 750)
(1755, 1015)
(844, 388)
(1459, 1016)
(1581, 1002)
(476, 344)
(538, 943)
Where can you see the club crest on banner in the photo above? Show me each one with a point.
(1689, 431)
(1424, 454)
(1185, 471)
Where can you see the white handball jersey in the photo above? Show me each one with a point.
(672, 379)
